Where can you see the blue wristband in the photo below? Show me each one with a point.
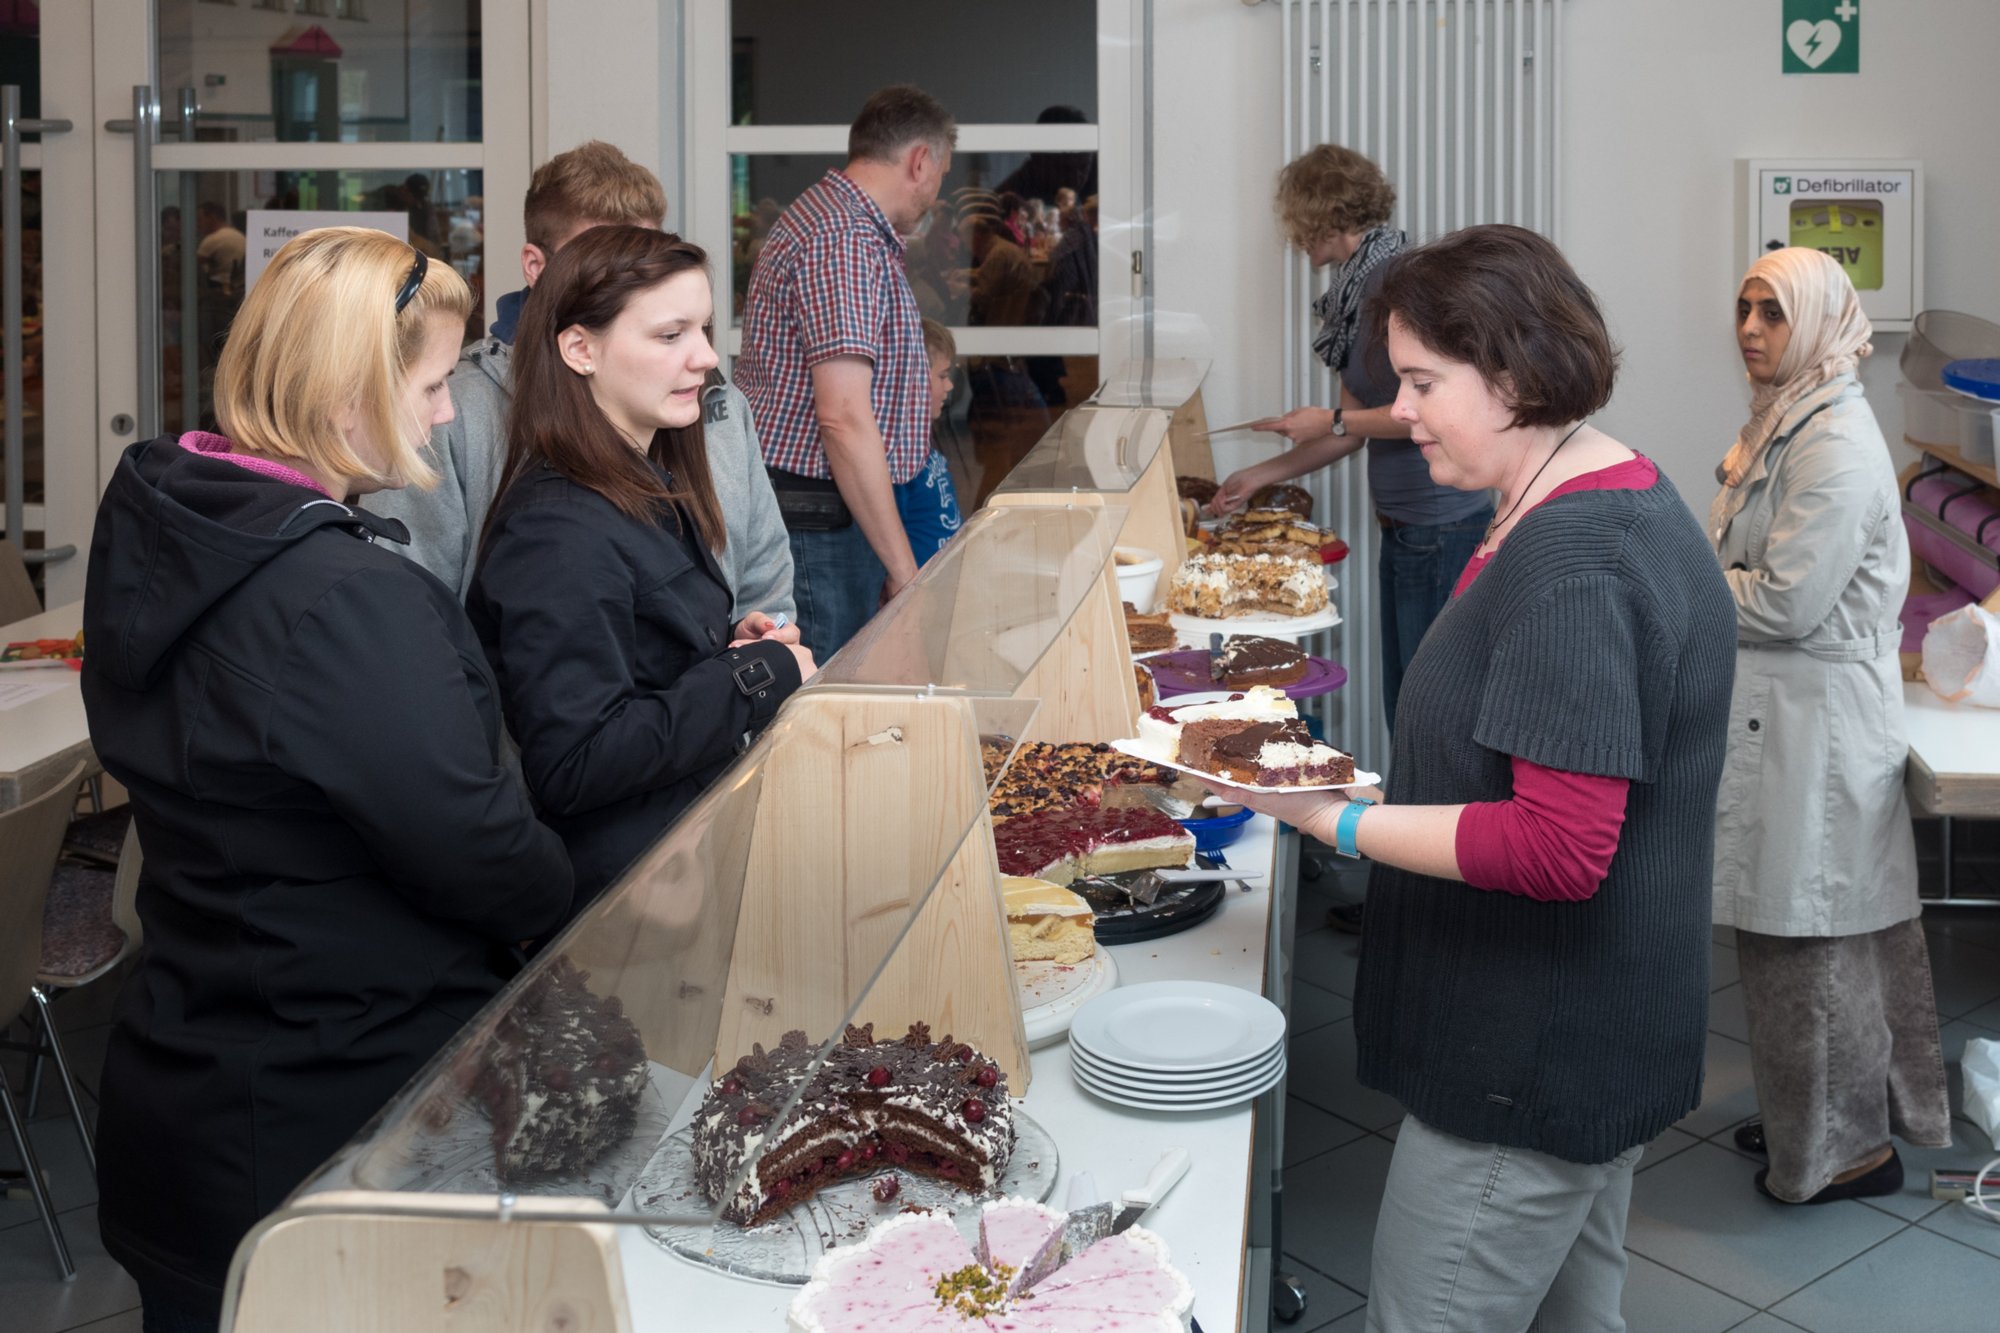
(1343, 830)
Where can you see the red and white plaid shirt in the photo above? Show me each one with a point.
(829, 283)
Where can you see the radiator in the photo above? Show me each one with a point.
(1459, 102)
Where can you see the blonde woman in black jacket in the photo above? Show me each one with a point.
(338, 865)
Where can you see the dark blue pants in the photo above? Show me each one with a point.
(1419, 565)
(837, 583)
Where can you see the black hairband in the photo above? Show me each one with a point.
(414, 282)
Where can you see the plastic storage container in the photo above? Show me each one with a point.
(1939, 337)
(1952, 420)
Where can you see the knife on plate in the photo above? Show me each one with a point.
(1215, 657)
(1135, 1203)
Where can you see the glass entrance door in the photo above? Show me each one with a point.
(224, 125)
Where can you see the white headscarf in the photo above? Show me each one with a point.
(1830, 335)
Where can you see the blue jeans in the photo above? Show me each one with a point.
(837, 583)
(1420, 563)
(929, 507)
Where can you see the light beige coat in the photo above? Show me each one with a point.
(1812, 830)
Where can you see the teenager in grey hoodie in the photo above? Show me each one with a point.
(470, 452)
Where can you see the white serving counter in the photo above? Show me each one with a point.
(1206, 1221)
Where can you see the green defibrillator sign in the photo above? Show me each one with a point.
(1822, 37)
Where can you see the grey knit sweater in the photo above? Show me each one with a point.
(1600, 640)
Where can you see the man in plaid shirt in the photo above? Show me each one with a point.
(833, 363)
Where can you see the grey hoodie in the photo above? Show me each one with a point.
(470, 453)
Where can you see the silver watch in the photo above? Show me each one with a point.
(1339, 425)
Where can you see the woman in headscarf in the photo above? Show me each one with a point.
(1814, 862)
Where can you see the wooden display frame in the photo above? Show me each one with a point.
(366, 1262)
(1187, 435)
(884, 787)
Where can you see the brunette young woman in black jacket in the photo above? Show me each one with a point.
(338, 863)
(598, 597)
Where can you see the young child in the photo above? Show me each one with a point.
(926, 501)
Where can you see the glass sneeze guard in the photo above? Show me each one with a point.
(1102, 450)
(983, 612)
(771, 906)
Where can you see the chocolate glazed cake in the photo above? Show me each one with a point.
(561, 1077)
(1252, 659)
(938, 1109)
(1278, 754)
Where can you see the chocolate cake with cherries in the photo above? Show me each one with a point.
(937, 1109)
(560, 1078)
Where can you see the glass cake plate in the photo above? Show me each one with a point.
(784, 1250)
(459, 1158)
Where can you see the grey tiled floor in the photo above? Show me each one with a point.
(1708, 1253)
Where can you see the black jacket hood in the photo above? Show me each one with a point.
(176, 533)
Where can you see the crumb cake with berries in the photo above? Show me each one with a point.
(1049, 775)
(560, 1078)
(1059, 845)
(1217, 587)
(915, 1272)
(937, 1109)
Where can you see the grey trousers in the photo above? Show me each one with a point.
(1478, 1238)
(1844, 1048)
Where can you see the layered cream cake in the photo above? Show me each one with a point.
(1047, 923)
(1274, 754)
(1215, 587)
(1160, 727)
(914, 1273)
(1059, 845)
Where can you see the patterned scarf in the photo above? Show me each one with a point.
(1338, 308)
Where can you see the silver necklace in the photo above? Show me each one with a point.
(1496, 524)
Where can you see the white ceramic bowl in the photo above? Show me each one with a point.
(1138, 576)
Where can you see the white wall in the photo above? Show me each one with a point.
(1650, 205)
(1217, 252)
(1658, 109)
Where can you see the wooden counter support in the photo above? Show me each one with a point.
(875, 792)
(1188, 438)
(348, 1263)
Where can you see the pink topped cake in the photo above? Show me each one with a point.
(914, 1273)
(1059, 845)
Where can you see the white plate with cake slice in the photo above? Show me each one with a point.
(1051, 993)
(1194, 630)
(1139, 751)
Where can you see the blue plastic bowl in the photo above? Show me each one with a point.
(1214, 834)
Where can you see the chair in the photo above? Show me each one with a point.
(89, 926)
(30, 838)
(17, 590)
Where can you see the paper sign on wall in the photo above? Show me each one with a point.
(267, 229)
(1822, 37)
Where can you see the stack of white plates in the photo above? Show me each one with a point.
(1178, 1046)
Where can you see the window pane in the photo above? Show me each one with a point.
(397, 71)
(808, 62)
(21, 55)
(997, 251)
(202, 251)
(31, 352)
(999, 408)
